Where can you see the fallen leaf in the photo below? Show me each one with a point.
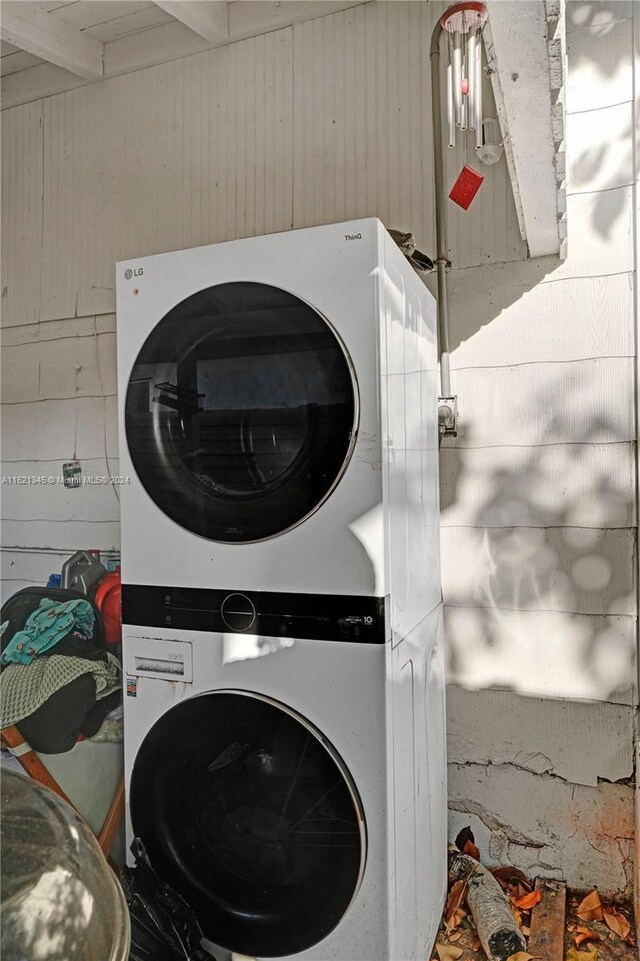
(574, 955)
(525, 930)
(522, 956)
(517, 917)
(582, 934)
(470, 849)
(455, 936)
(454, 900)
(616, 922)
(448, 952)
(528, 901)
(590, 908)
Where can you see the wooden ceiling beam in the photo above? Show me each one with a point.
(208, 18)
(29, 27)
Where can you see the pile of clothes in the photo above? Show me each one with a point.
(58, 681)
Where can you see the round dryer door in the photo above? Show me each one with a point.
(250, 814)
(241, 412)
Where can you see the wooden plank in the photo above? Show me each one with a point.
(575, 570)
(580, 402)
(572, 485)
(22, 212)
(250, 17)
(600, 63)
(542, 653)
(547, 921)
(44, 35)
(502, 323)
(20, 60)
(516, 45)
(589, 166)
(209, 20)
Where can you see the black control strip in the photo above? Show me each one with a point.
(321, 617)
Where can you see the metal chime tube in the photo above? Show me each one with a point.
(465, 100)
(477, 83)
(457, 76)
(451, 116)
(471, 78)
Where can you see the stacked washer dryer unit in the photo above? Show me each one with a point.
(284, 709)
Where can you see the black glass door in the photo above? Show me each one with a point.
(248, 813)
(240, 412)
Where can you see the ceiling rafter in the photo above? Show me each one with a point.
(29, 27)
(209, 20)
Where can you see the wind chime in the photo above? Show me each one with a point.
(463, 24)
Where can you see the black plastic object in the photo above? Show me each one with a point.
(21, 604)
(163, 926)
(241, 412)
(250, 814)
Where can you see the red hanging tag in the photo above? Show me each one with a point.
(466, 187)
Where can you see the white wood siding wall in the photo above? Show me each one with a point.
(538, 507)
(330, 120)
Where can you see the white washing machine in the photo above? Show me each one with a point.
(284, 717)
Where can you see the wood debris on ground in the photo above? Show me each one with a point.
(596, 930)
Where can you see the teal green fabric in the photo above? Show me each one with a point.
(47, 625)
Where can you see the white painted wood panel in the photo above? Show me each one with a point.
(96, 502)
(134, 187)
(557, 485)
(65, 535)
(600, 234)
(542, 653)
(539, 734)
(52, 330)
(495, 322)
(90, 17)
(58, 430)
(60, 368)
(362, 128)
(599, 148)
(585, 402)
(20, 60)
(596, 13)
(600, 66)
(22, 147)
(576, 570)
(126, 25)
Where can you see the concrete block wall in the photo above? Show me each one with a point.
(330, 120)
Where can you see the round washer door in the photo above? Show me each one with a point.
(241, 412)
(249, 813)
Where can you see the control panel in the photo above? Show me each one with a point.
(324, 617)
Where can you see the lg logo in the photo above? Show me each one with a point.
(136, 272)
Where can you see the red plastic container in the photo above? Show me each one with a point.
(108, 600)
